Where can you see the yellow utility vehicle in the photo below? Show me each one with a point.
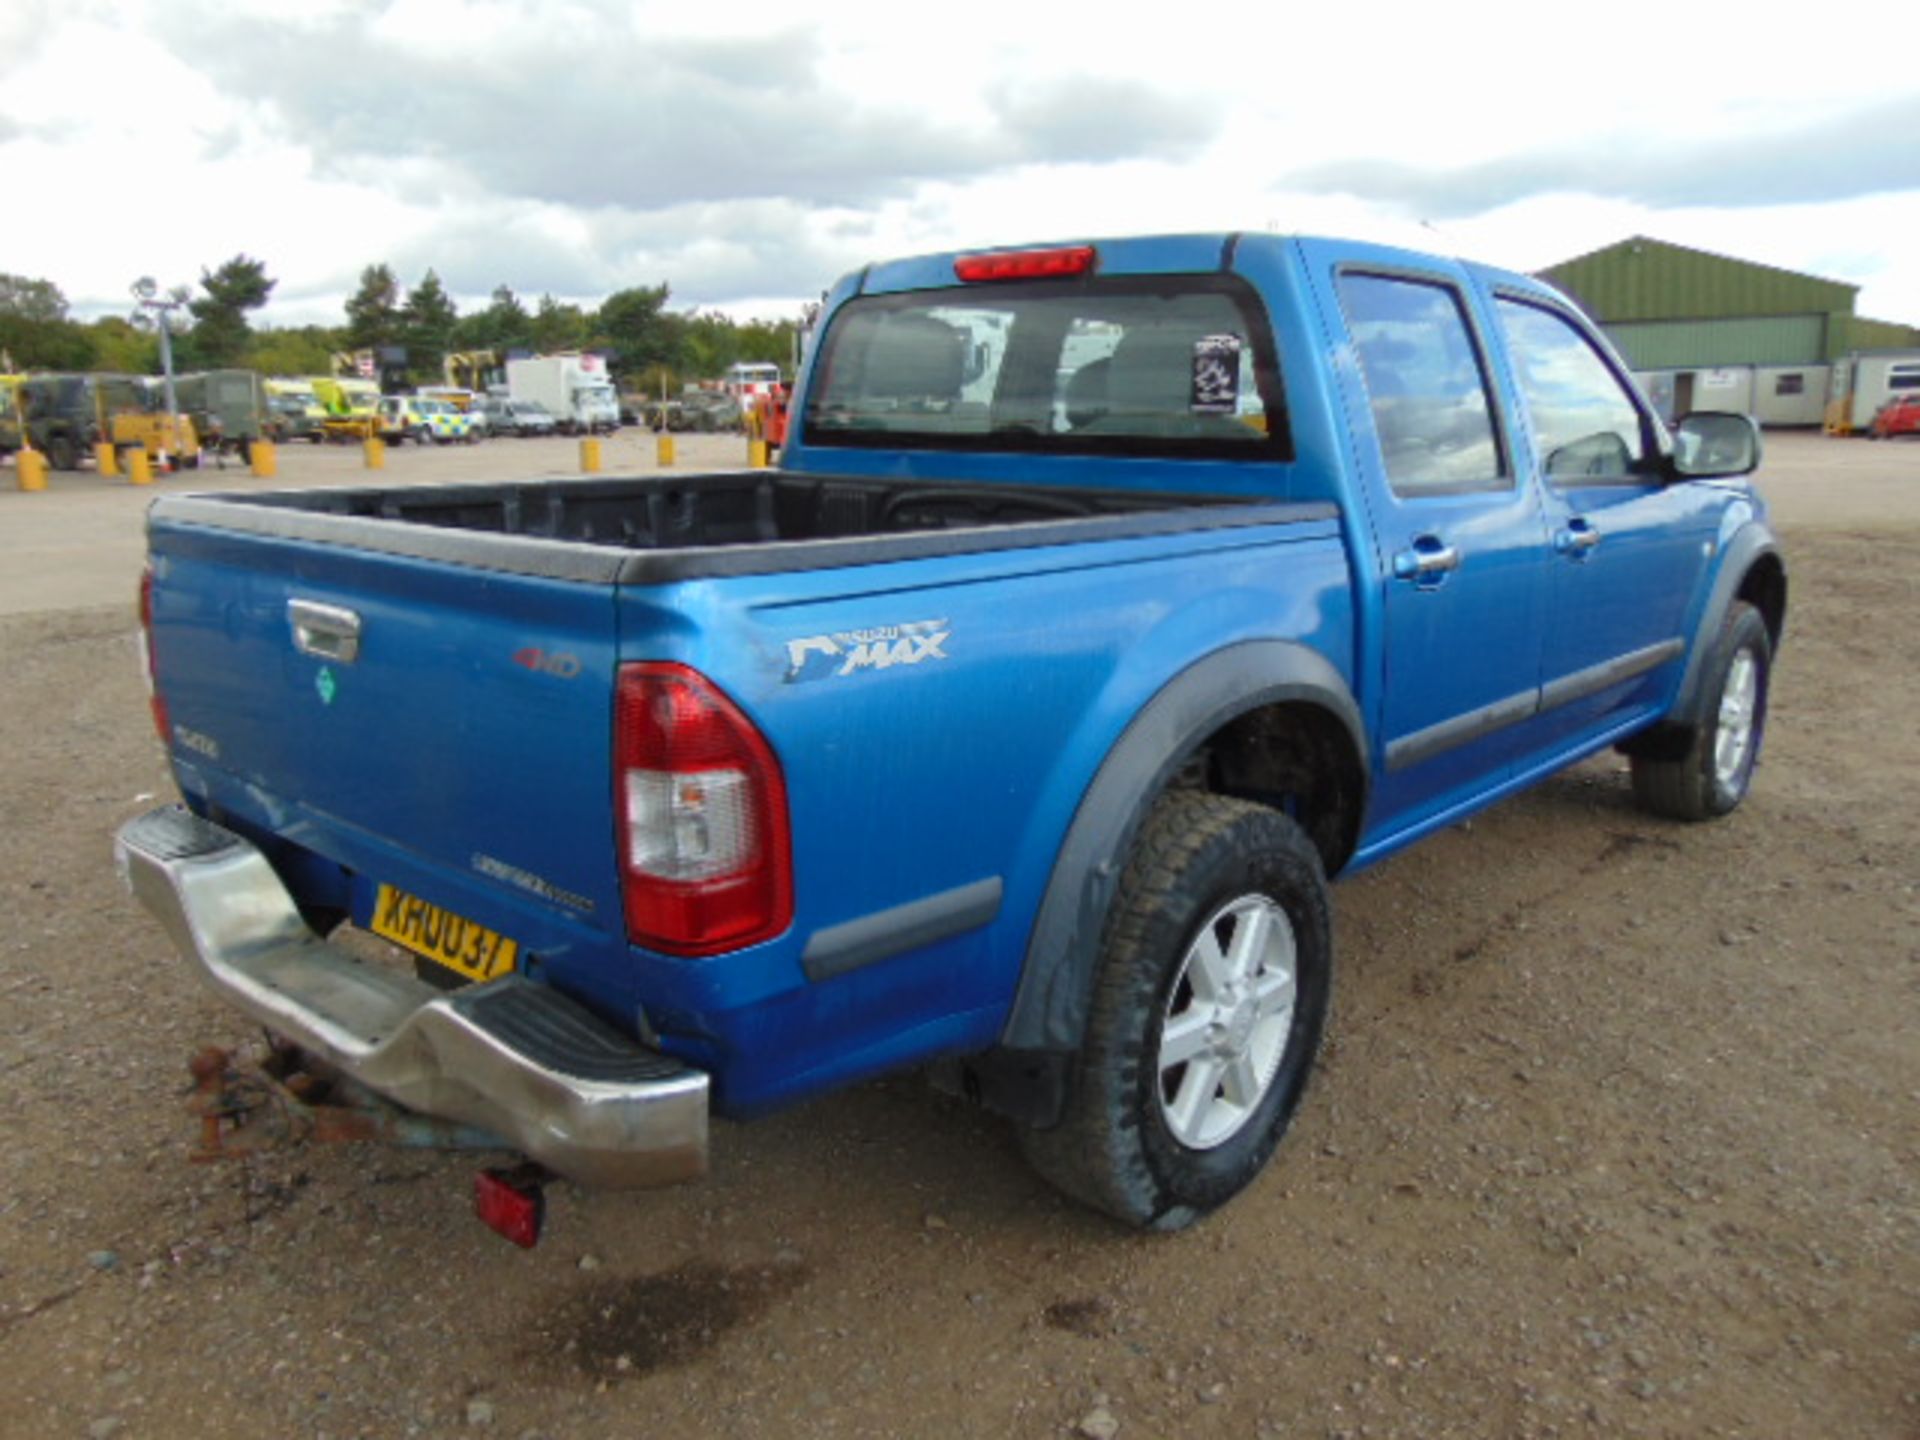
(352, 406)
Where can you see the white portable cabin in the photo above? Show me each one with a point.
(1677, 393)
(1790, 394)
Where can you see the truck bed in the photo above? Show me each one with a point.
(651, 530)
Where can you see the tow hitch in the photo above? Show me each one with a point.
(278, 1097)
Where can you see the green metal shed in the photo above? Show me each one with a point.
(1681, 312)
(1640, 279)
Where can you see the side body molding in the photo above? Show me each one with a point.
(1056, 982)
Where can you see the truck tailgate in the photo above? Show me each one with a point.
(441, 727)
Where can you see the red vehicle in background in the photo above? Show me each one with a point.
(1900, 416)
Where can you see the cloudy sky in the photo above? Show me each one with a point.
(748, 154)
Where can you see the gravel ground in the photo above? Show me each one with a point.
(1617, 1133)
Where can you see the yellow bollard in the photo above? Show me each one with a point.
(590, 456)
(105, 462)
(266, 460)
(139, 467)
(375, 452)
(33, 470)
(757, 454)
(665, 449)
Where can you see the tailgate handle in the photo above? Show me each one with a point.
(327, 631)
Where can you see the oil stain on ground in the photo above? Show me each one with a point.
(1090, 1318)
(631, 1326)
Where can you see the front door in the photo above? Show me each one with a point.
(1629, 545)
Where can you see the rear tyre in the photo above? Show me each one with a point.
(1208, 1006)
(1714, 774)
(62, 452)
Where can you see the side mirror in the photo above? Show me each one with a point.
(1713, 445)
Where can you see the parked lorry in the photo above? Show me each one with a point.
(57, 415)
(575, 389)
(228, 409)
(1012, 726)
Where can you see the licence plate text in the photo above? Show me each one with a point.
(441, 936)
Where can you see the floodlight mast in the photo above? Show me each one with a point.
(147, 293)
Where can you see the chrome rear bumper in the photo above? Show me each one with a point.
(510, 1056)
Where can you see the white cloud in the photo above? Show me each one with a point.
(744, 154)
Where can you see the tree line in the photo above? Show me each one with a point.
(646, 344)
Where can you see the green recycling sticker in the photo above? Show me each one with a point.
(326, 685)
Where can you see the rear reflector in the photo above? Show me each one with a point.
(158, 705)
(1025, 264)
(705, 853)
(509, 1206)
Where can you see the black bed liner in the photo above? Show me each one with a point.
(655, 529)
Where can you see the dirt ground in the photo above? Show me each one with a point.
(1618, 1133)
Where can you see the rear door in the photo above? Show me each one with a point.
(1457, 529)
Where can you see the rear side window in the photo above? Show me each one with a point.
(1180, 367)
(1585, 424)
(1426, 385)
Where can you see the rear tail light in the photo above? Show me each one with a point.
(159, 706)
(705, 855)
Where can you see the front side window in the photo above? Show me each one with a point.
(1425, 385)
(1585, 425)
(1178, 367)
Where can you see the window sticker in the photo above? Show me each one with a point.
(1216, 375)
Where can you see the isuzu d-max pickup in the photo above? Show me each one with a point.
(1107, 599)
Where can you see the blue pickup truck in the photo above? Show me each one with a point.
(1107, 599)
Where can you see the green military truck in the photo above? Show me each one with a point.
(57, 415)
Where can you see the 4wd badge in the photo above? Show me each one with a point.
(818, 657)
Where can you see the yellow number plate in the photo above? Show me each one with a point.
(441, 936)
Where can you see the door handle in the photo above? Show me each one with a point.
(1578, 539)
(328, 632)
(1426, 562)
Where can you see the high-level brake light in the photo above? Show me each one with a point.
(1025, 264)
(706, 860)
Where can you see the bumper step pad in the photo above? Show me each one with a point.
(511, 1056)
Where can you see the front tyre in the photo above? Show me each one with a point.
(1208, 1006)
(1713, 775)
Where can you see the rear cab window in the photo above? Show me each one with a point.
(1166, 366)
(1426, 385)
